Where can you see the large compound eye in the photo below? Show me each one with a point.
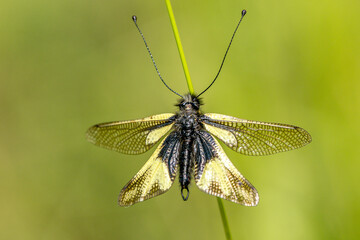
(195, 105)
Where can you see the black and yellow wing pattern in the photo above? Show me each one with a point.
(131, 137)
(216, 175)
(254, 137)
(156, 176)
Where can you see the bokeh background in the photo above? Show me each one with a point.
(66, 65)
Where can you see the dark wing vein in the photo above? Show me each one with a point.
(253, 137)
(131, 137)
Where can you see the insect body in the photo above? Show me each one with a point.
(189, 148)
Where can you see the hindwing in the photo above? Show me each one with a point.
(156, 176)
(216, 175)
(131, 137)
(253, 137)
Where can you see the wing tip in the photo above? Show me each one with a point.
(305, 134)
(89, 136)
(256, 202)
(122, 202)
(91, 132)
(252, 202)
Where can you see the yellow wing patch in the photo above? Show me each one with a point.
(224, 135)
(131, 137)
(152, 180)
(220, 178)
(156, 134)
(253, 137)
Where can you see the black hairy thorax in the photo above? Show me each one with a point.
(187, 125)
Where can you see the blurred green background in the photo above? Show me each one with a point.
(66, 65)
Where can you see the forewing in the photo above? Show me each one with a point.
(131, 137)
(255, 138)
(216, 175)
(156, 176)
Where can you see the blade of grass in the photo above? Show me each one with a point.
(224, 219)
(179, 45)
(191, 90)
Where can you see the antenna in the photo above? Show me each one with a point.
(222, 63)
(134, 18)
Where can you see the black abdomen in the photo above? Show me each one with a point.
(185, 160)
(188, 127)
(185, 166)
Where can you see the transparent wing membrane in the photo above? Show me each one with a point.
(131, 137)
(253, 137)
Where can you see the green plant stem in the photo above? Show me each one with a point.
(224, 219)
(191, 90)
(179, 45)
